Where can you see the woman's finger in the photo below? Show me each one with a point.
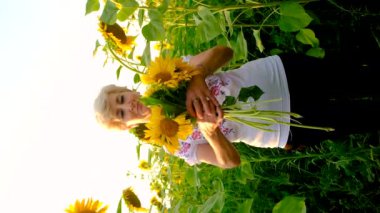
(211, 107)
(220, 113)
(206, 105)
(214, 100)
(190, 107)
(198, 108)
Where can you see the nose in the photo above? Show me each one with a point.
(131, 105)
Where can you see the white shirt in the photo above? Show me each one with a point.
(269, 75)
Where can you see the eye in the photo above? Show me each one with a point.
(120, 114)
(120, 99)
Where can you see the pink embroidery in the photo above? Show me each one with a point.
(196, 135)
(215, 90)
(226, 130)
(185, 147)
(215, 85)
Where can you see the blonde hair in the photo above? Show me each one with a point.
(102, 108)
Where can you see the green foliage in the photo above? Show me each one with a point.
(246, 92)
(253, 91)
(154, 30)
(334, 176)
(290, 204)
(109, 14)
(293, 17)
(172, 101)
(129, 7)
(208, 25)
(92, 5)
(249, 28)
(119, 208)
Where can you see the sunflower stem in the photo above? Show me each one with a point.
(121, 62)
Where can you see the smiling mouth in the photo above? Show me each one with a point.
(138, 107)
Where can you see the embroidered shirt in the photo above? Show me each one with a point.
(269, 75)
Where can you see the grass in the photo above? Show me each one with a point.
(333, 176)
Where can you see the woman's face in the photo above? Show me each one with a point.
(127, 107)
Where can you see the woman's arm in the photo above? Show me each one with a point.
(207, 63)
(212, 59)
(219, 151)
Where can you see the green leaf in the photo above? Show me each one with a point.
(141, 17)
(146, 57)
(150, 156)
(119, 206)
(241, 50)
(118, 72)
(208, 27)
(290, 204)
(246, 170)
(128, 8)
(210, 202)
(293, 17)
(97, 45)
(109, 14)
(259, 43)
(178, 206)
(168, 108)
(222, 40)
(191, 176)
(239, 176)
(230, 100)
(253, 91)
(275, 51)
(307, 36)
(155, 15)
(245, 207)
(138, 151)
(136, 78)
(227, 16)
(91, 6)
(316, 52)
(154, 30)
(164, 6)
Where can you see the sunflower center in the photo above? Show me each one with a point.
(169, 127)
(131, 198)
(163, 76)
(117, 31)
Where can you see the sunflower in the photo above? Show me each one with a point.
(87, 206)
(163, 45)
(116, 35)
(165, 131)
(168, 72)
(155, 202)
(132, 200)
(144, 165)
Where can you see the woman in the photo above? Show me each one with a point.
(309, 93)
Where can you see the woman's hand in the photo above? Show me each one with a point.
(199, 101)
(210, 123)
(198, 95)
(219, 151)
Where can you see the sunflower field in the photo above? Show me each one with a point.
(333, 176)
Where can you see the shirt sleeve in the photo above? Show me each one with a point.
(188, 152)
(186, 58)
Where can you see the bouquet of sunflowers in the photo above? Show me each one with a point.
(167, 80)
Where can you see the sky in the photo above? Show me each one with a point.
(52, 151)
